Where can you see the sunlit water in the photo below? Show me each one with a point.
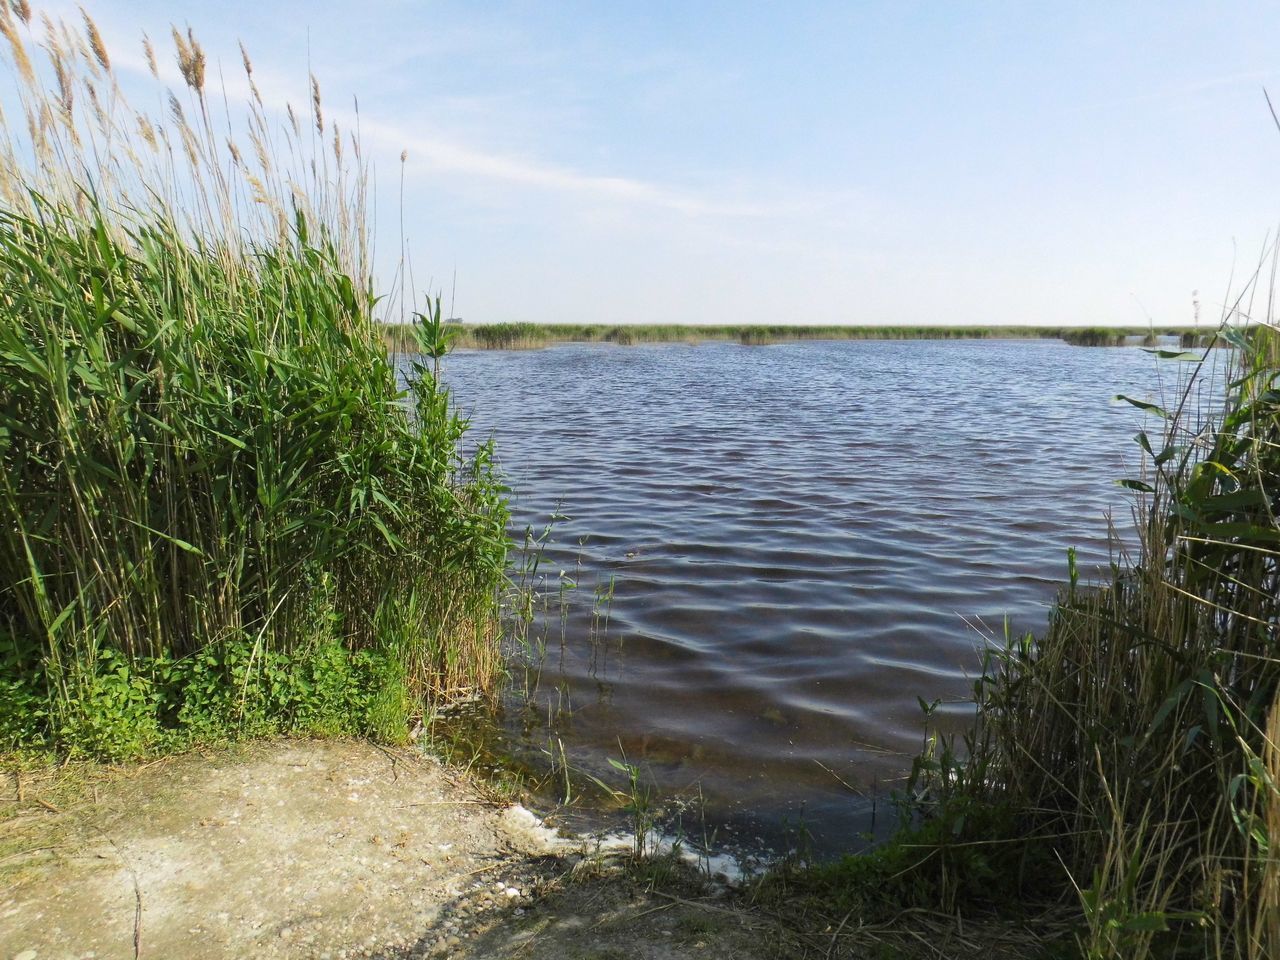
(805, 540)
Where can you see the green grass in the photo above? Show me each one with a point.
(220, 514)
(526, 336)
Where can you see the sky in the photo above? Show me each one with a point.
(1057, 163)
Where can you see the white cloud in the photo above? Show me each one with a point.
(438, 150)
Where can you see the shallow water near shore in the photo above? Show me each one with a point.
(770, 555)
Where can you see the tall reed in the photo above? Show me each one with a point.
(209, 470)
(1134, 748)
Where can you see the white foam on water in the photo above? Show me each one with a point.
(527, 831)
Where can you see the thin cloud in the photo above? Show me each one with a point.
(450, 156)
(442, 153)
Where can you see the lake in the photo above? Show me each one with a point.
(804, 541)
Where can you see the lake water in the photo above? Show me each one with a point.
(803, 539)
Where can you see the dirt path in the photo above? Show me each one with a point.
(325, 850)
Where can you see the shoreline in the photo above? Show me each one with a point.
(337, 849)
(333, 849)
(400, 338)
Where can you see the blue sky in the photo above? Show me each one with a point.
(906, 163)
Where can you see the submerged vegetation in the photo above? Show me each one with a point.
(219, 512)
(399, 338)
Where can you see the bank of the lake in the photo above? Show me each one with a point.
(334, 850)
(330, 849)
(527, 336)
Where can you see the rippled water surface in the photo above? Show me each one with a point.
(803, 540)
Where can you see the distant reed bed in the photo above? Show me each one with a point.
(532, 336)
(219, 513)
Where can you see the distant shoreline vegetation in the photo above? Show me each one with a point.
(400, 338)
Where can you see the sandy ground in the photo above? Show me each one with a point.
(326, 850)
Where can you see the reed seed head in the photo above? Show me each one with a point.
(175, 108)
(248, 72)
(100, 116)
(66, 90)
(95, 40)
(190, 59)
(315, 104)
(150, 53)
(18, 50)
(147, 132)
(195, 77)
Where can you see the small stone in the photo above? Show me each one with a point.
(286, 933)
(512, 892)
(451, 942)
(25, 955)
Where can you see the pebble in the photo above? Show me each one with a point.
(25, 955)
(512, 892)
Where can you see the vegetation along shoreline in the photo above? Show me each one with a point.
(227, 524)
(400, 338)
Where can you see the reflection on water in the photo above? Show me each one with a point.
(803, 538)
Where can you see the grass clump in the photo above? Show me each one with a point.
(220, 514)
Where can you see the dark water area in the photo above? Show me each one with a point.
(803, 541)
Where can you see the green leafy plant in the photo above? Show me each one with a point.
(220, 505)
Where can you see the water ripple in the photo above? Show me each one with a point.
(803, 538)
